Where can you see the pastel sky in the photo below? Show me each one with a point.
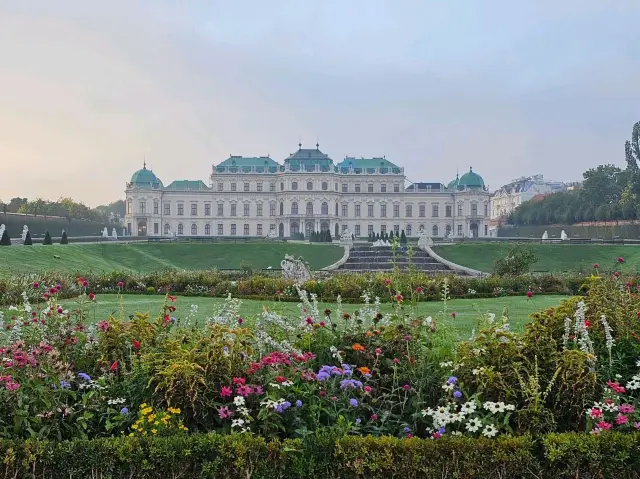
(88, 89)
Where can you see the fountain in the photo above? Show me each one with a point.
(563, 236)
(114, 235)
(545, 235)
(105, 232)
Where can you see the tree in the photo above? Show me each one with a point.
(329, 239)
(516, 262)
(64, 239)
(5, 240)
(27, 239)
(403, 238)
(47, 239)
(391, 236)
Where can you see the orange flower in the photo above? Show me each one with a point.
(357, 347)
(364, 370)
(368, 334)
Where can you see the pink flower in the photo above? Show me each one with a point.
(615, 387)
(92, 296)
(595, 413)
(409, 435)
(374, 417)
(453, 315)
(419, 289)
(407, 338)
(387, 282)
(367, 389)
(620, 259)
(257, 390)
(605, 426)
(625, 408)
(406, 387)
(637, 425)
(239, 381)
(36, 285)
(120, 284)
(621, 419)
(596, 266)
(436, 435)
(378, 351)
(12, 385)
(529, 294)
(240, 320)
(224, 412)
(226, 391)
(244, 390)
(396, 360)
(309, 320)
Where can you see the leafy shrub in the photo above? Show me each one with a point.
(5, 240)
(47, 238)
(517, 261)
(64, 239)
(27, 239)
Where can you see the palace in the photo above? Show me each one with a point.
(257, 196)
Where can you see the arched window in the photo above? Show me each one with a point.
(194, 229)
(295, 228)
(434, 230)
(408, 230)
(294, 208)
(294, 185)
(309, 208)
(336, 208)
(325, 185)
(281, 209)
(180, 229)
(447, 230)
(309, 185)
(207, 229)
(167, 228)
(325, 208)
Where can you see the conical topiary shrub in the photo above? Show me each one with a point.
(64, 239)
(27, 239)
(5, 240)
(47, 238)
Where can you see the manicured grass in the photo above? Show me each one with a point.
(150, 257)
(467, 310)
(551, 257)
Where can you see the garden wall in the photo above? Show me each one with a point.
(39, 224)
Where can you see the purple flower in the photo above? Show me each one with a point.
(298, 403)
(280, 408)
(84, 376)
(64, 384)
(353, 402)
(350, 384)
(452, 380)
(358, 420)
(457, 394)
(124, 411)
(442, 430)
(407, 429)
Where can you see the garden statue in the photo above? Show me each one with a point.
(2, 228)
(346, 238)
(381, 244)
(271, 235)
(545, 236)
(563, 236)
(25, 229)
(114, 235)
(105, 232)
(295, 269)
(424, 239)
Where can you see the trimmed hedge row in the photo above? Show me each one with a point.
(243, 456)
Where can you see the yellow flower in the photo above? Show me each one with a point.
(174, 410)
(154, 431)
(147, 410)
(143, 405)
(131, 434)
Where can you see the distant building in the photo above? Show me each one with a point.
(255, 196)
(519, 191)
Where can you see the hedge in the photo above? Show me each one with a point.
(242, 456)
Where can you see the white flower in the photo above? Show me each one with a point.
(489, 431)
(473, 425)
(446, 364)
(468, 407)
(448, 387)
(491, 317)
(238, 401)
(237, 422)
(427, 321)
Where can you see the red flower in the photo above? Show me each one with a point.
(419, 289)
(280, 379)
(587, 323)
(240, 320)
(309, 320)
(85, 284)
(529, 294)
(114, 366)
(616, 274)
(53, 290)
(453, 315)
(172, 299)
(120, 284)
(638, 314)
(322, 324)
(45, 296)
(387, 282)
(398, 298)
(92, 296)
(596, 266)
(374, 417)
(136, 344)
(36, 285)
(239, 381)
(278, 293)
(171, 309)
(620, 259)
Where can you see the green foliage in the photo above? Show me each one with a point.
(27, 239)
(64, 239)
(403, 238)
(47, 239)
(517, 261)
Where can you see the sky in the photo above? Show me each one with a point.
(88, 90)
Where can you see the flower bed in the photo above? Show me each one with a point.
(269, 286)
(370, 381)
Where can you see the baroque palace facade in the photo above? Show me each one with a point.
(256, 196)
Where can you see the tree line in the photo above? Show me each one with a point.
(607, 193)
(65, 208)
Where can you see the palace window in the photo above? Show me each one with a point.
(421, 211)
(383, 188)
(246, 187)
(345, 210)
(294, 208)
(259, 209)
(233, 187)
(220, 229)
(370, 230)
(344, 228)
(194, 229)
(447, 230)
(272, 187)
(259, 230)
(207, 229)
(207, 209)
(434, 230)
(325, 186)
(324, 208)
(272, 209)
(459, 210)
(220, 186)
(167, 209)
(167, 228)
(233, 209)
(447, 211)
(309, 208)
(459, 230)
(434, 210)
(370, 211)
(396, 188)
(408, 230)
(486, 210)
(246, 209)
(309, 185)
(408, 211)
(233, 229)
(142, 206)
(357, 187)
(383, 211)
(281, 209)
(180, 209)
(357, 231)
(383, 229)
(180, 229)
(357, 211)
(259, 186)
(220, 209)
(156, 228)
(294, 185)
(246, 229)
(194, 209)
(282, 186)
(396, 211)
(396, 230)
(155, 207)
(474, 209)
(370, 188)
(486, 230)
(129, 207)
(345, 188)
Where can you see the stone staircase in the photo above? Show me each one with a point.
(369, 258)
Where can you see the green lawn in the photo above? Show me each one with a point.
(467, 310)
(150, 257)
(551, 257)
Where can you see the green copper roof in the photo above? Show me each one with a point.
(367, 163)
(308, 158)
(248, 161)
(469, 180)
(145, 179)
(187, 185)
